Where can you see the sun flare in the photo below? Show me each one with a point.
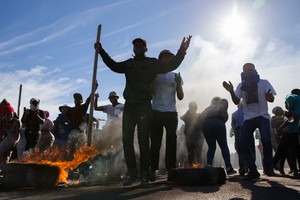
(234, 26)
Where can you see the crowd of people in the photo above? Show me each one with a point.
(150, 110)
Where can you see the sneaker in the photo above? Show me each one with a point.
(280, 169)
(144, 183)
(129, 180)
(230, 171)
(295, 174)
(152, 176)
(270, 173)
(252, 175)
(242, 171)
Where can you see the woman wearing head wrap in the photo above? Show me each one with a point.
(47, 138)
(10, 128)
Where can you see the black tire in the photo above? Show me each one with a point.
(16, 175)
(197, 176)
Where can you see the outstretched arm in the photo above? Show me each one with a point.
(229, 88)
(96, 107)
(185, 44)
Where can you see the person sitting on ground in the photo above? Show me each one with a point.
(10, 127)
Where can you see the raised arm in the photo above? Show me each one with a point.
(229, 87)
(96, 107)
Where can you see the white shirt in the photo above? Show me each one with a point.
(260, 108)
(113, 112)
(164, 92)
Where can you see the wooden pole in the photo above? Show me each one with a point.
(19, 101)
(91, 115)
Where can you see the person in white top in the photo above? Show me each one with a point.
(256, 93)
(112, 110)
(165, 88)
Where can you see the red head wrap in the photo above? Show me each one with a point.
(5, 109)
(47, 114)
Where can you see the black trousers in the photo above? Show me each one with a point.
(169, 121)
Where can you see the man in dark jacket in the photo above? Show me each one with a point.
(140, 72)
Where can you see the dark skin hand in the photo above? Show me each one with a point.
(269, 96)
(229, 88)
(183, 47)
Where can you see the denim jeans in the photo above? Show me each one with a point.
(247, 130)
(214, 130)
(237, 135)
(169, 120)
(136, 115)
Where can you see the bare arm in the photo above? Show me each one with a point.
(229, 88)
(96, 107)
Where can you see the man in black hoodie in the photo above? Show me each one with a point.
(140, 72)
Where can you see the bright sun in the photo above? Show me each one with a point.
(234, 26)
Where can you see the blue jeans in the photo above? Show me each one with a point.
(214, 130)
(247, 130)
(136, 115)
(242, 162)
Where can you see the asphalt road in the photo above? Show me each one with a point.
(283, 188)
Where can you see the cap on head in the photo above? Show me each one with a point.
(77, 96)
(113, 94)
(34, 101)
(139, 40)
(164, 52)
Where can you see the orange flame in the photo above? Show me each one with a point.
(197, 165)
(55, 157)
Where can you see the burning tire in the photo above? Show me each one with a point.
(197, 176)
(16, 175)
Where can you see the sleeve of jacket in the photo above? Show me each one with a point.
(118, 67)
(167, 66)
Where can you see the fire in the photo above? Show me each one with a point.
(57, 158)
(197, 165)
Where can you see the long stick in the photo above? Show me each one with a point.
(91, 115)
(19, 101)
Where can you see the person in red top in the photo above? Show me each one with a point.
(10, 128)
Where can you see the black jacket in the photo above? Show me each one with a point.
(140, 74)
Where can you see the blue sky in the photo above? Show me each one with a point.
(47, 46)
